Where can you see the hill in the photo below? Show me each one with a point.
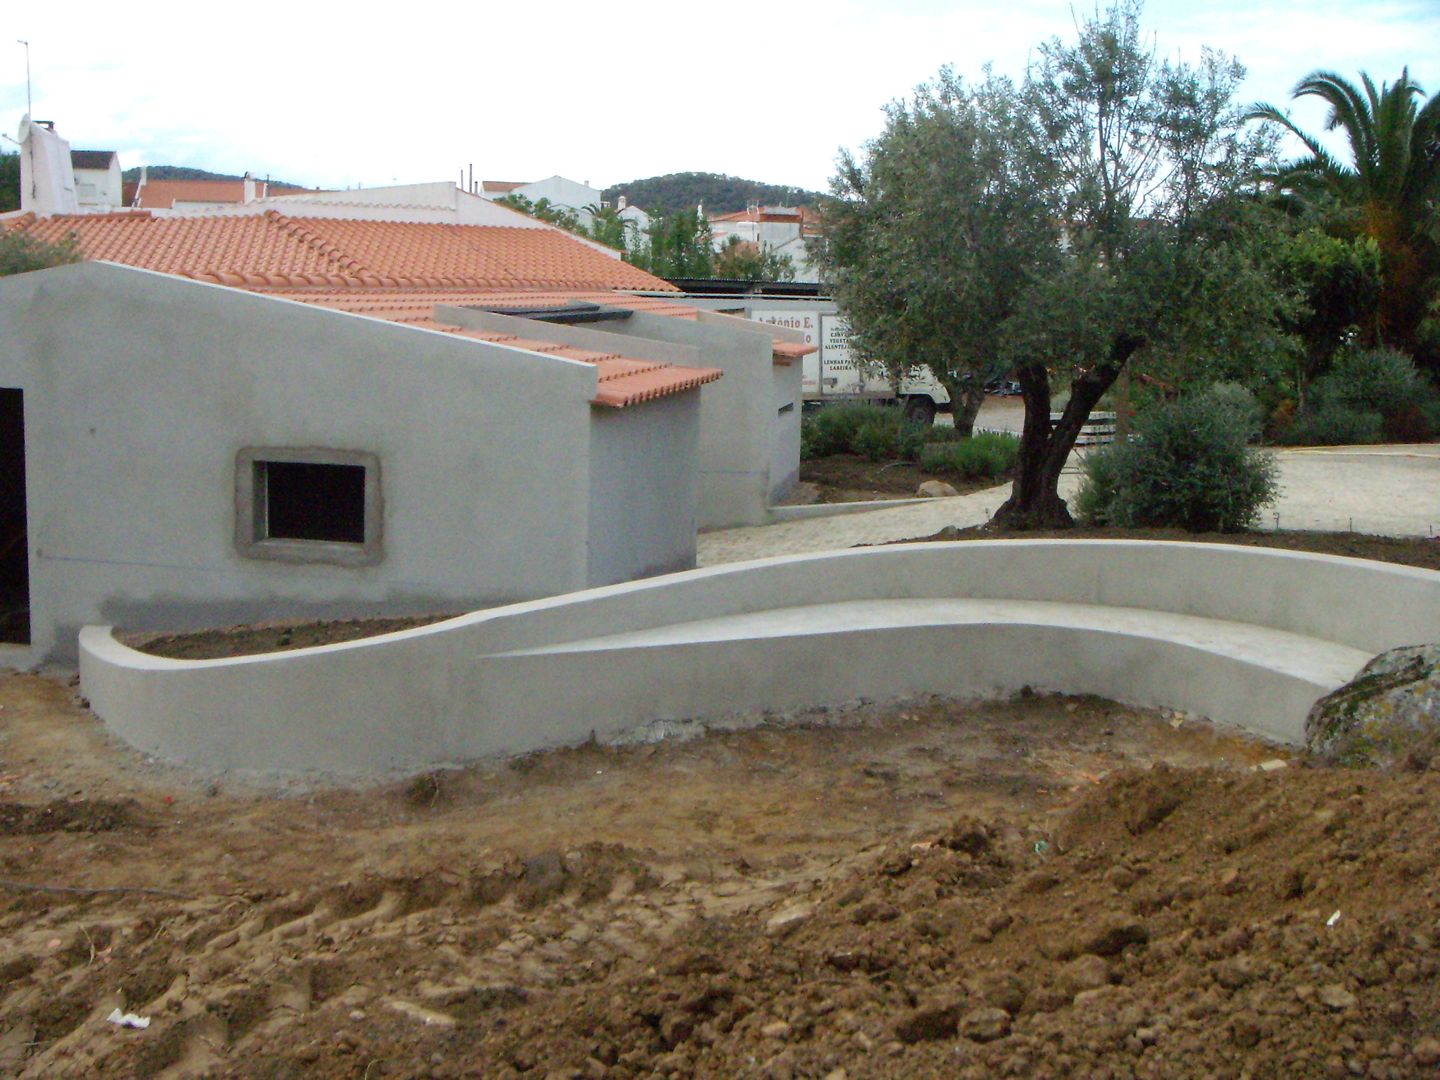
(719, 194)
(184, 172)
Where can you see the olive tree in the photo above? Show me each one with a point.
(931, 235)
(1152, 167)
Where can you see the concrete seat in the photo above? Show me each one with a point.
(1252, 677)
(1247, 636)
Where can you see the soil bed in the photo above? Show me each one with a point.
(267, 637)
(1422, 552)
(1042, 887)
(852, 478)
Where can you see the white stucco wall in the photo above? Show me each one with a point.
(741, 466)
(749, 451)
(1247, 636)
(644, 489)
(141, 389)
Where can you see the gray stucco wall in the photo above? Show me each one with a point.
(644, 486)
(749, 448)
(141, 389)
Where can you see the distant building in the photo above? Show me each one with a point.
(98, 183)
(199, 196)
(781, 229)
(565, 194)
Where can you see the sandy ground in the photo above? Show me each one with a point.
(1043, 887)
(1384, 490)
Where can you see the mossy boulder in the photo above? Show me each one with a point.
(1387, 716)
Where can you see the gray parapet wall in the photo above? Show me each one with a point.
(1249, 637)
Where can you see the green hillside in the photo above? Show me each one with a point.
(719, 194)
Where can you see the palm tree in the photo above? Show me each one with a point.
(1388, 193)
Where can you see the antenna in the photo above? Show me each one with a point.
(29, 105)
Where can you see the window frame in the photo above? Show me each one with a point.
(252, 509)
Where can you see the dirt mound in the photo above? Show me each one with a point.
(1043, 887)
(62, 815)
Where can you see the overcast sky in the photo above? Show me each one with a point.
(764, 91)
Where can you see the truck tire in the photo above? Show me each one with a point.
(920, 409)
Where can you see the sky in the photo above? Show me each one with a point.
(380, 95)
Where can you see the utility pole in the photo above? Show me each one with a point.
(29, 106)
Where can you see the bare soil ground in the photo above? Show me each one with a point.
(852, 478)
(1041, 887)
(279, 636)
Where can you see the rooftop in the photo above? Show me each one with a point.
(277, 250)
(164, 194)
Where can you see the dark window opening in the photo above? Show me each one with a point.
(307, 501)
(14, 544)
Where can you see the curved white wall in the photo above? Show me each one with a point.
(1247, 636)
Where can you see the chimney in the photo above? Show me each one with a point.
(47, 176)
(621, 203)
(248, 188)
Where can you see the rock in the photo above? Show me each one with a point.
(935, 489)
(428, 1017)
(1113, 934)
(1336, 997)
(1427, 1052)
(788, 918)
(1387, 715)
(935, 1020)
(776, 1029)
(1003, 990)
(1084, 973)
(985, 1025)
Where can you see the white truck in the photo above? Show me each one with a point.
(833, 373)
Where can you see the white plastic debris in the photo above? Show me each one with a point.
(1333, 919)
(129, 1020)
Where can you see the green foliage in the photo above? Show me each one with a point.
(877, 432)
(676, 246)
(984, 455)
(20, 252)
(544, 210)
(932, 235)
(1336, 283)
(1387, 191)
(1242, 403)
(9, 182)
(1187, 465)
(1333, 423)
(740, 260)
(1379, 380)
(718, 194)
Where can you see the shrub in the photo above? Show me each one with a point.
(1369, 380)
(1243, 404)
(877, 432)
(1333, 424)
(832, 429)
(985, 455)
(1187, 465)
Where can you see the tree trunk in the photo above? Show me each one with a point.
(1035, 501)
(966, 397)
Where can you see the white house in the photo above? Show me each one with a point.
(781, 229)
(194, 455)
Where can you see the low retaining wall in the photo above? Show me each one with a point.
(1248, 636)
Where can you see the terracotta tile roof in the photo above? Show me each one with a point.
(501, 187)
(164, 194)
(622, 380)
(786, 351)
(278, 251)
(421, 303)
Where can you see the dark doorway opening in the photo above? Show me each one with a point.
(14, 543)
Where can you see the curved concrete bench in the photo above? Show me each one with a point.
(1248, 636)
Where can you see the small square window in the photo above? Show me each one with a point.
(305, 505)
